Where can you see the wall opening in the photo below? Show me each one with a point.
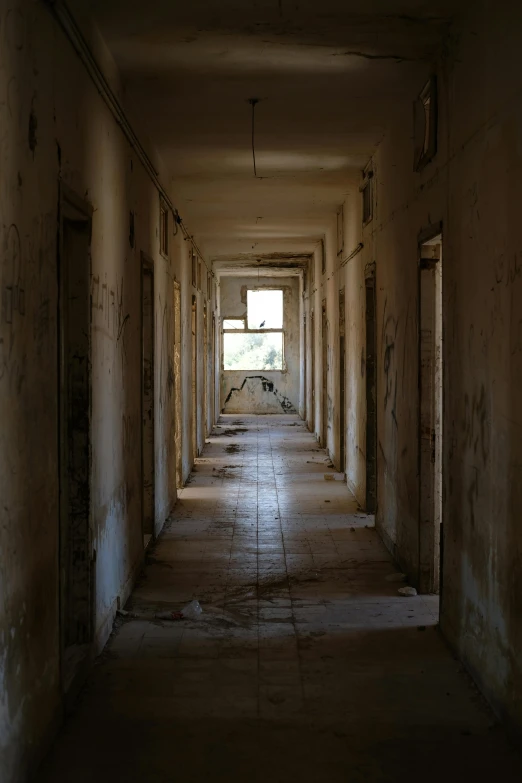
(324, 396)
(342, 382)
(430, 414)
(205, 368)
(74, 323)
(311, 421)
(194, 329)
(177, 384)
(371, 394)
(147, 398)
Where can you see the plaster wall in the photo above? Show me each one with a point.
(56, 128)
(263, 391)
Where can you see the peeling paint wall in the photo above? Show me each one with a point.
(265, 391)
(55, 127)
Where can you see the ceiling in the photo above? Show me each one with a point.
(327, 74)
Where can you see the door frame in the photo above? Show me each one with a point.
(147, 267)
(73, 208)
(431, 542)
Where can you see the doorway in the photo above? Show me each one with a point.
(324, 335)
(177, 384)
(342, 383)
(204, 418)
(194, 327)
(430, 413)
(147, 398)
(213, 374)
(371, 394)
(74, 340)
(312, 371)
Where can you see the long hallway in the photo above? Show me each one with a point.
(305, 665)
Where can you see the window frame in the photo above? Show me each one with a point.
(193, 260)
(340, 230)
(164, 228)
(425, 148)
(246, 330)
(366, 191)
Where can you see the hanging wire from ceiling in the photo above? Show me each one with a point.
(253, 102)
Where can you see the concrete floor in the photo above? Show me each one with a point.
(306, 665)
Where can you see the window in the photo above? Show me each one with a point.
(425, 125)
(367, 197)
(257, 341)
(164, 228)
(194, 270)
(199, 275)
(209, 286)
(340, 231)
(323, 257)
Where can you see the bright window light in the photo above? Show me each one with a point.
(250, 351)
(265, 309)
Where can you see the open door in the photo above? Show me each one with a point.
(430, 413)
(74, 338)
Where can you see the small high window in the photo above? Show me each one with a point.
(164, 228)
(257, 341)
(340, 231)
(425, 124)
(367, 197)
(194, 267)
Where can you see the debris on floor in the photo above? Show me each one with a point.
(407, 591)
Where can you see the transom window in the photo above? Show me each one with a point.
(256, 342)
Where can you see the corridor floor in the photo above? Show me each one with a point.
(306, 665)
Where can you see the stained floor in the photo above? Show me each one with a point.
(306, 665)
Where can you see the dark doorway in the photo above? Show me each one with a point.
(206, 375)
(147, 398)
(342, 383)
(371, 395)
(324, 335)
(194, 327)
(74, 324)
(430, 413)
(311, 337)
(177, 383)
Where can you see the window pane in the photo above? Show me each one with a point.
(265, 309)
(233, 323)
(245, 351)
